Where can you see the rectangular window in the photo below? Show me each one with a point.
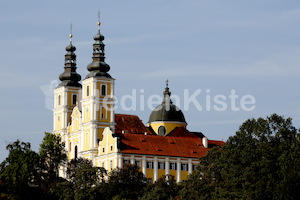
(149, 165)
(138, 163)
(103, 164)
(87, 90)
(111, 164)
(161, 165)
(103, 90)
(173, 166)
(74, 99)
(149, 180)
(184, 167)
(126, 161)
(59, 100)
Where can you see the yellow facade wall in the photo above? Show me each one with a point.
(100, 133)
(169, 126)
(86, 139)
(149, 173)
(184, 175)
(160, 173)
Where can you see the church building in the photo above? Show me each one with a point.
(85, 118)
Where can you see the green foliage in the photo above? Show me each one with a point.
(262, 161)
(127, 183)
(163, 189)
(53, 155)
(201, 183)
(18, 171)
(87, 180)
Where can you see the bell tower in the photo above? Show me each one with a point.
(67, 94)
(97, 99)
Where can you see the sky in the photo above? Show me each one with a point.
(207, 49)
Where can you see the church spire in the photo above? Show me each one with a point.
(98, 68)
(70, 77)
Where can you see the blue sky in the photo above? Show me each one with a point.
(252, 47)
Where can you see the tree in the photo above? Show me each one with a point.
(261, 161)
(163, 189)
(127, 182)
(86, 179)
(53, 156)
(18, 171)
(202, 183)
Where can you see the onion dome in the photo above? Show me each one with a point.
(70, 77)
(98, 68)
(167, 111)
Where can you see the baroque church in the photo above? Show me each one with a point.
(85, 118)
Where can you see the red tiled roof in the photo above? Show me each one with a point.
(164, 146)
(179, 143)
(182, 132)
(129, 124)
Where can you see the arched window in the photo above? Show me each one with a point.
(70, 147)
(58, 100)
(74, 99)
(87, 90)
(103, 90)
(75, 152)
(162, 130)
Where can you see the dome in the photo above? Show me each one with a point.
(167, 111)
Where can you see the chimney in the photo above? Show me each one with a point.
(205, 142)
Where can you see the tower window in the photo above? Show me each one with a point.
(75, 153)
(87, 90)
(59, 100)
(103, 113)
(74, 99)
(162, 130)
(103, 90)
